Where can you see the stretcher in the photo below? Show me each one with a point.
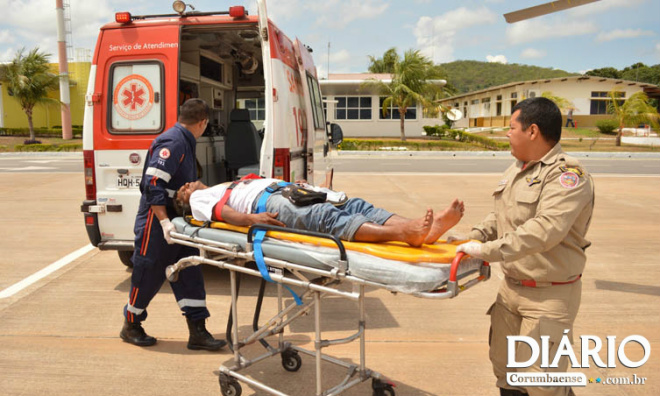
(309, 266)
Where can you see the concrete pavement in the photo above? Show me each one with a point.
(59, 335)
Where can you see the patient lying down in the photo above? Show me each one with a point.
(353, 220)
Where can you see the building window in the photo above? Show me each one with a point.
(257, 109)
(514, 95)
(600, 101)
(393, 111)
(325, 106)
(486, 103)
(353, 108)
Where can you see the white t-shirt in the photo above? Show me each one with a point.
(241, 198)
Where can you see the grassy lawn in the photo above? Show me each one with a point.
(592, 140)
(9, 143)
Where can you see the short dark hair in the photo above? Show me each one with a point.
(544, 113)
(193, 111)
(181, 208)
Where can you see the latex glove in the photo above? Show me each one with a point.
(454, 238)
(472, 249)
(167, 227)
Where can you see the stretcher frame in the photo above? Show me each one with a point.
(315, 283)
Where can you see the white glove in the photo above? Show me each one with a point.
(472, 249)
(167, 228)
(454, 238)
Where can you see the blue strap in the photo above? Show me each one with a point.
(259, 238)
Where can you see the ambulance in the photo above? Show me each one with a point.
(267, 115)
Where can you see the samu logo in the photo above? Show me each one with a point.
(566, 349)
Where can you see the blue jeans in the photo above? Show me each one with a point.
(340, 221)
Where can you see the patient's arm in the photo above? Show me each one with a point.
(233, 217)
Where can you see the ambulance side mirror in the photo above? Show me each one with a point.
(336, 135)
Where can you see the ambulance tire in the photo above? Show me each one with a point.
(125, 257)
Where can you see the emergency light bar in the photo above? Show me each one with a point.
(236, 12)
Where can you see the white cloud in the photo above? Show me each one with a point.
(530, 31)
(341, 61)
(339, 13)
(6, 37)
(657, 49)
(436, 36)
(34, 23)
(602, 6)
(532, 53)
(496, 59)
(623, 34)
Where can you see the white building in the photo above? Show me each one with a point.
(589, 95)
(357, 107)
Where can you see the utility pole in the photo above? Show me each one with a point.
(65, 97)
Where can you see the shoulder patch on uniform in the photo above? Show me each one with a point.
(164, 153)
(569, 180)
(575, 169)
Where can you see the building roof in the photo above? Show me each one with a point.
(645, 86)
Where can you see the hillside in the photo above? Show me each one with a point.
(468, 76)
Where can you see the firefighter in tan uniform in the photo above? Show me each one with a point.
(543, 207)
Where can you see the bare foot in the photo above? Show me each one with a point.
(415, 231)
(445, 220)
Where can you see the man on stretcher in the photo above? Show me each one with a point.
(351, 220)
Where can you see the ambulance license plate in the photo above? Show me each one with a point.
(128, 181)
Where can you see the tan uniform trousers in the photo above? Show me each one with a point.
(532, 312)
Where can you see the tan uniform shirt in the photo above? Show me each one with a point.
(541, 217)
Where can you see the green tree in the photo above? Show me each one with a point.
(632, 112)
(607, 72)
(384, 64)
(410, 84)
(30, 81)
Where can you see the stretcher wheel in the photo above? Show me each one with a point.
(382, 388)
(291, 360)
(229, 386)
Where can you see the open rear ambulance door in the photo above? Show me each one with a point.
(313, 113)
(136, 67)
(283, 150)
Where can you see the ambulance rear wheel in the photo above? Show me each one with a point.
(125, 257)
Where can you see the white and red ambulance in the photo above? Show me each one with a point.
(251, 74)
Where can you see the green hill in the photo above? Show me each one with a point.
(467, 76)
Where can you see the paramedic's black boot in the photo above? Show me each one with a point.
(133, 333)
(200, 338)
(511, 392)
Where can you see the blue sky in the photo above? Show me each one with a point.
(613, 33)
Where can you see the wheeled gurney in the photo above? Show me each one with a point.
(315, 265)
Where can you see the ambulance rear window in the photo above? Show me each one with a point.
(136, 105)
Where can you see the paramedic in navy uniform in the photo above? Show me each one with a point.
(170, 163)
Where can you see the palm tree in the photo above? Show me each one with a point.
(562, 103)
(633, 111)
(30, 81)
(384, 64)
(410, 84)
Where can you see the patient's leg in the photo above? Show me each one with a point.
(413, 232)
(445, 220)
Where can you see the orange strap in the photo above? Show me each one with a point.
(217, 209)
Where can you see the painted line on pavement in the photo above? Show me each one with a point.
(68, 259)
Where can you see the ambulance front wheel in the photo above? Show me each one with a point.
(125, 257)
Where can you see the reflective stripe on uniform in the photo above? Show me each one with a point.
(188, 302)
(170, 193)
(158, 173)
(137, 311)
